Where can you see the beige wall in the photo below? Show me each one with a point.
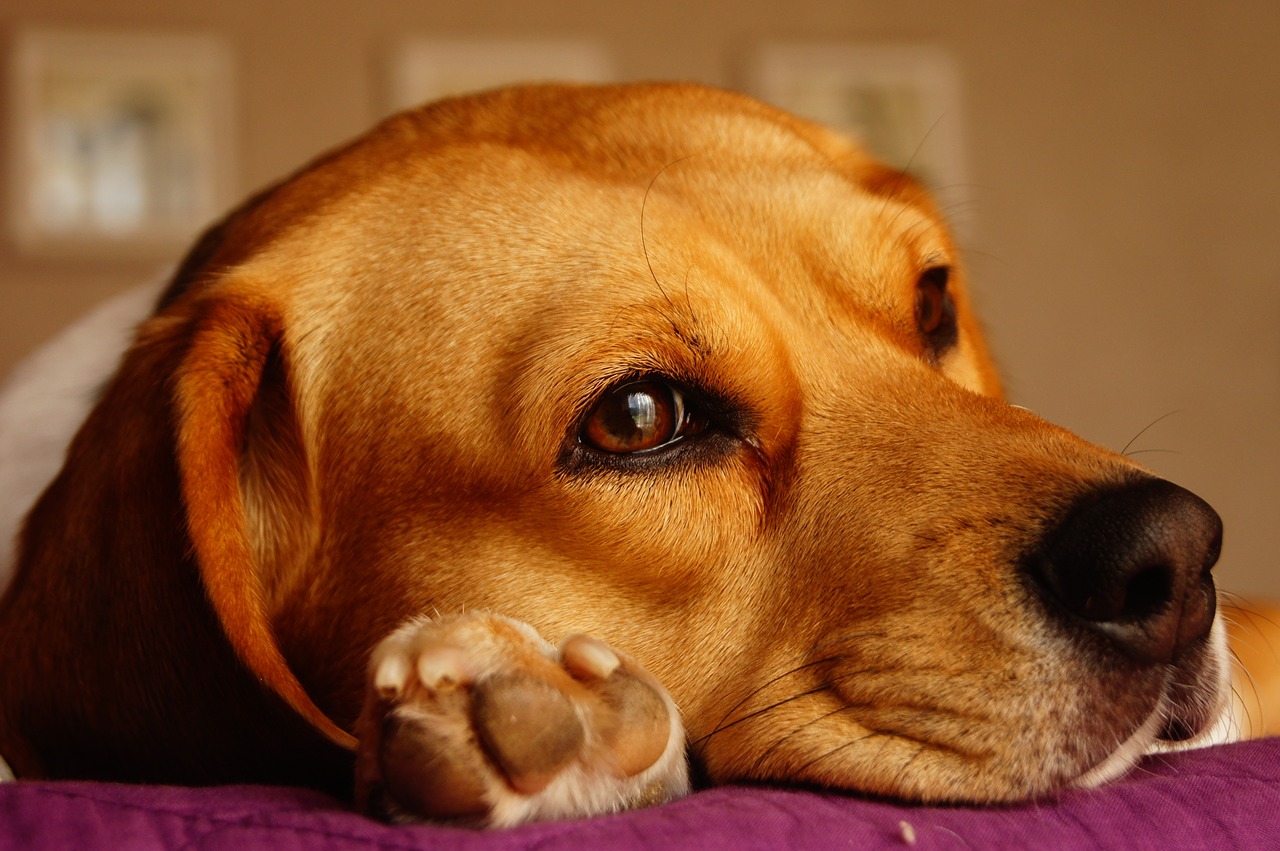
(1125, 158)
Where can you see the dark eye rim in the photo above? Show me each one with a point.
(944, 336)
(718, 434)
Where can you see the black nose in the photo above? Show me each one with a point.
(1132, 565)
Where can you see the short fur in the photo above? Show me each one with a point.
(359, 402)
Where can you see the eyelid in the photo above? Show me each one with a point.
(939, 276)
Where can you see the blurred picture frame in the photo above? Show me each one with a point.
(120, 143)
(427, 69)
(901, 102)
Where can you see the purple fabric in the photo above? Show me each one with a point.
(1225, 797)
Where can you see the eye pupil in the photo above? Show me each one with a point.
(636, 417)
(935, 311)
(929, 307)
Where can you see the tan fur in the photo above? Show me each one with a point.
(357, 404)
(1254, 628)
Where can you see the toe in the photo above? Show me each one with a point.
(633, 719)
(443, 667)
(588, 658)
(638, 725)
(391, 676)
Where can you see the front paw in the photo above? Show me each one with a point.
(475, 718)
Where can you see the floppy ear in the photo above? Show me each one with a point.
(233, 372)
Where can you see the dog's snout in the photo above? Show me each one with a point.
(1133, 565)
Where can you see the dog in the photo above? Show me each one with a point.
(541, 443)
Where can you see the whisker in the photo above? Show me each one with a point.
(688, 302)
(1147, 428)
(722, 726)
(821, 648)
(837, 749)
(1244, 704)
(902, 772)
(920, 146)
(846, 706)
(781, 740)
(644, 244)
(845, 639)
(1239, 604)
(923, 746)
(1235, 610)
(904, 173)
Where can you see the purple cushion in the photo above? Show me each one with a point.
(1224, 797)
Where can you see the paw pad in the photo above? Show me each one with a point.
(476, 718)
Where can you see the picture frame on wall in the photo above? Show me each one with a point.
(427, 69)
(900, 102)
(121, 143)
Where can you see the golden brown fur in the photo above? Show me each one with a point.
(1254, 630)
(359, 400)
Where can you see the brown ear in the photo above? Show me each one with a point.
(237, 338)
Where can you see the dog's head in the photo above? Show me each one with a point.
(667, 366)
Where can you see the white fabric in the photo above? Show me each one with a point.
(45, 399)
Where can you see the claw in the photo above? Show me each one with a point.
(391, 675)
(443, 667)
(588, 658)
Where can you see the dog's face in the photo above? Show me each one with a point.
(670, 368)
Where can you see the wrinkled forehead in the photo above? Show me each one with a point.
(806, 233)
(767, 212)
(726, 214)
(552, 174)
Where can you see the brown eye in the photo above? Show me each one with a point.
(638, 417)
(935, 311)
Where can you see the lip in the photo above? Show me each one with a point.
(1219, 726)
(1125, 756)
(1218, 723)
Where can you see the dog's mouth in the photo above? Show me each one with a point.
(912, 736)
(1011, 703)
(1193, 711)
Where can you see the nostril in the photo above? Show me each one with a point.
(1212, 553)
(1149, 593)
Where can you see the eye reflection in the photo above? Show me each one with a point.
(636, 417)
